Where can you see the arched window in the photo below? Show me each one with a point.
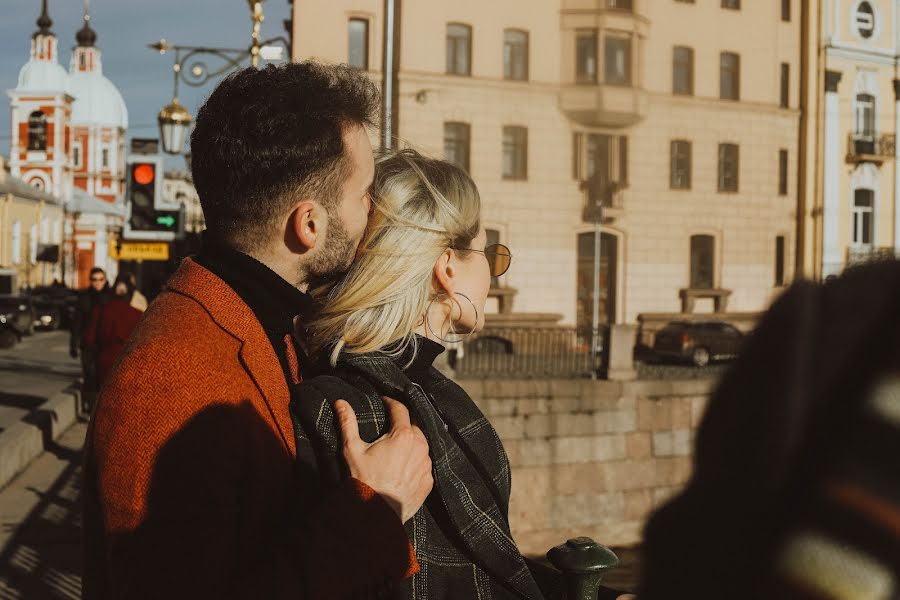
(37, 131)
(703, 259)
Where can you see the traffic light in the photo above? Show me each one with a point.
(147, 218)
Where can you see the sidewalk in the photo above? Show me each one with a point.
(38, 399)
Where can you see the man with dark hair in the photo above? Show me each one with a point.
(190, 474)
(96, 294)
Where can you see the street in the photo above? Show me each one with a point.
(40, 540)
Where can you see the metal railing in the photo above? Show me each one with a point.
(866, 254)
(564, 352)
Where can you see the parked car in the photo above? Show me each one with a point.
(19, 312)
(8, 335)
(699, 342)
(48, 313)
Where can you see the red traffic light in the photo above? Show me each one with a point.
(144, 173)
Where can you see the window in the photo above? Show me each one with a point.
(865, 20)
(605, 167)
(358, 43)
(732, 4)
(779, 260)
(586, 56)
(16, 243)
(459, 49)
(728, 167)
(683, 71)
(456, 143)
(515, 55)
(865, 116)
(620, 4)
(493, 237)
(729, 76)
(37, 131)
(680, 165)
(617, 61)
(863, 207)
(785, 85)
(76, 155)
(33, 244)
(515, 152)
(82, 61)
(786, 11)
(702, 262)
(577, 151)
(105, 158)
(782, 172)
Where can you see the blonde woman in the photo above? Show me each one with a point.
(420, 280)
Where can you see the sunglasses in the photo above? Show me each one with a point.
(498, 256)
(98, 279)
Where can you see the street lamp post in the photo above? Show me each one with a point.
(191, 68)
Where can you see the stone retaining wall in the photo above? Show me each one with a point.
(591, 457)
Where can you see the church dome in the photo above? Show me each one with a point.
(43, 76)
(97, 100)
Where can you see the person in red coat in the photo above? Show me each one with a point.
(191, 485)
(111, 324)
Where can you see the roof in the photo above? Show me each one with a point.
(43, 76)
(97, 100)
(20, 189)
(82, 202)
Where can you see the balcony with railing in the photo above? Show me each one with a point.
(603, 202)
(870, 148)
(857, 255)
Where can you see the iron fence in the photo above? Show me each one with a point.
(566, 352)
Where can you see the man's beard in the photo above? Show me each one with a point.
(336, 256)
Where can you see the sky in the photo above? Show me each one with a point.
(124, 29)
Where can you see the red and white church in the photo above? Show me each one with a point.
(68, 138)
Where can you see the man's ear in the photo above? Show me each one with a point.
(307, 224)
(444, 273)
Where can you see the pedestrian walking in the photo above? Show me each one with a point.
(96, 294)
(110, 326)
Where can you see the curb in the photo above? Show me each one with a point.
(30, 437)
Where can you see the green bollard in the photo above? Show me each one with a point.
(582, 562)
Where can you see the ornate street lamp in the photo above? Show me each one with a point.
(174, 119)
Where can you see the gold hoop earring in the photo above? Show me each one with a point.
(452, 328)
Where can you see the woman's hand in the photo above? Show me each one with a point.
(396, 465)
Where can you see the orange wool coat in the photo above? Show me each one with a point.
(190, 488)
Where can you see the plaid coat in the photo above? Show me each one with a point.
(461, 535)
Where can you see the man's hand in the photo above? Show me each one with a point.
(396, 465)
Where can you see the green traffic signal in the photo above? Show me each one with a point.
(167, 220)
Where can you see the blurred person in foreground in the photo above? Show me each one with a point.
(419, 281)
(110, 326)
(796, 484)
(190, 477)
(96, 294)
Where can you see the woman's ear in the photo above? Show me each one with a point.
(307, 224)
(444, 273)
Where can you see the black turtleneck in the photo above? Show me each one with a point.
(274, 301)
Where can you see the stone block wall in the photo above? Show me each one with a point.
(591, 457)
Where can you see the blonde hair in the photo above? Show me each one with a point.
(422, 207)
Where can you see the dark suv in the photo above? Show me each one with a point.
(699, 342)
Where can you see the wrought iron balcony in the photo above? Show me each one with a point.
(602, 201)
(857, 255)
(870, 148)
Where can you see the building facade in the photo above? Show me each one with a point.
(854, 203)
(660, 119)
(31, 230)
(68, 136)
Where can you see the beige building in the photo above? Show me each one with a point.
(853, 211)
(31, 232)
(665, 113)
